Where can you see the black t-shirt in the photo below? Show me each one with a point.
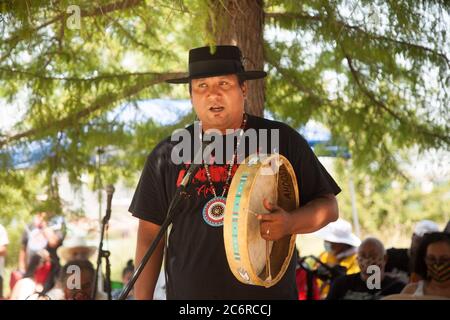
(196, 261)
(352, 287)
(398, 259)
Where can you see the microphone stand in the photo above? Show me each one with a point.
(104, 253)
(180, 194)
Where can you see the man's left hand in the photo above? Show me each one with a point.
(276, 224)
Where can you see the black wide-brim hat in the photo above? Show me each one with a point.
(224, 60)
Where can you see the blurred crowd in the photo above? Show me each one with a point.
(351, 269)
(53, 267)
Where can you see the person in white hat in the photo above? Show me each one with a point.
(76, 248)
(340, 249)
(425, 226)
(76, 251)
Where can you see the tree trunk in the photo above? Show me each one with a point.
(241, 23)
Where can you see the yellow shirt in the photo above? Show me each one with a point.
(349, 262)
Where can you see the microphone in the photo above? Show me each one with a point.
(109, 192)
(180, 194)
(104, 253)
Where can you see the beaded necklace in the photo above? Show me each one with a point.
(214, 210)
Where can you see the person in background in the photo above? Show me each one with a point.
(75, 248)
(433, 267)
(127, 273)
(361, 286)
(340, 251)
(306, 279)
(3, 250)
(77, 289)
(400, 262)
(43, 233)
(28, 286)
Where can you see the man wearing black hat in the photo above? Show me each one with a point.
(195, 260)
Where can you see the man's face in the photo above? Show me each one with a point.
(370, 255)
(39, 219)
(83, 293)
(219, 101)
(334, 247)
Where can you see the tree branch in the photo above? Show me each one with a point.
(101, 77)
(342, 24)
(288, 78)
(99, 104)
(355, 73)
(293, 15)
(366, 91)
(119, 5)
(126, 32)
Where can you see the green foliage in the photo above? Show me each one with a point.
(15, 243)
(391, 208)
(364, 70)
(17, 198)
(16, 195)
(374, 72)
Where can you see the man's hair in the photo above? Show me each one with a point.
(84, 265)
(128, 268)
(420, 266)
(33, 265)
(241, 81)
(373, 241)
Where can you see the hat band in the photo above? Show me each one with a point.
(214, 67)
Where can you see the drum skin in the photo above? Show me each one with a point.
(256, 179)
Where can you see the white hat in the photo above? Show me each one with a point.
(425, 226)
(75, 244)
(339, 231)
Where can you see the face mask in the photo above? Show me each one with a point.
(439, 272)
(78, 295)
(364, 263)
